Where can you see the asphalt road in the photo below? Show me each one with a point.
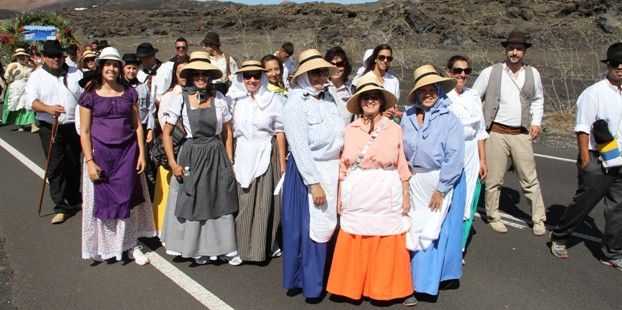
(41, 268)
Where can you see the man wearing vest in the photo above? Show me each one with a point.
(513, 105)
(53, 91)
(157, 76)
(599, 119)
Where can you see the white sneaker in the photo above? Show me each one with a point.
(138, 256)
(233, 258)
(277, 253)
(201, 260)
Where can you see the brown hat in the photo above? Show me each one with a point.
(426, 75)
(211, 38)
(365, 84)
(309, 60)
(517, 37)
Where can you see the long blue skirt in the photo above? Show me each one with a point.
(442, 261)
(303, 258)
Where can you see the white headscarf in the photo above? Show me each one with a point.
(302, 82)
(237, 91)
(360, 70)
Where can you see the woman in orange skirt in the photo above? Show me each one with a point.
(370, 257)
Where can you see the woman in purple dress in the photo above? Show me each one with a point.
(117, 210)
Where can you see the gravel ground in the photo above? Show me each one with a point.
(6, 277)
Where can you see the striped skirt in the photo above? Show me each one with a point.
(259, 215)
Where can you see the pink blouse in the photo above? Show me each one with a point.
(385, 152)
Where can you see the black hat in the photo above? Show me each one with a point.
(52, 48)
(614, 52)
(211, 38)
(102, 44)
(145, 49)
(130, 58)
(518, 37)
(86, 78)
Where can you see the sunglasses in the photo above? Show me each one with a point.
(339, 64)
(181, 47)
(466, 71)
(370, 96)
(319, 71)
(387, 58)
(196, 74)
(254, 75)
(614, 63)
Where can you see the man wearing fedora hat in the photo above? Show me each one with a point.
(513, 105)
(222, 60)
(147, 110)
(154, 73)
(600, 101)
(52, 92)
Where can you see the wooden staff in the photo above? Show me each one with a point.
(47, 161)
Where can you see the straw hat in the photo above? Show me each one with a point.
(251, 65)
(19, 52)
(199, 61)
(365, 84)
(109, 53)
(309, 60)
(426, 75)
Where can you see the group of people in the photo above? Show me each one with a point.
(244, 163)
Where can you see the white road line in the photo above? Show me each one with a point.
(192, 287)
(556, 158)
(23, 159)
(188, 284)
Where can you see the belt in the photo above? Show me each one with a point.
(507, 130)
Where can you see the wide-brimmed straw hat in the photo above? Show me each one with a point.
(426, 75)
(88, 54)
(199, 61)
(517, 37)
(250, 65)
(309, 60)
(19, 52)
(365, 84)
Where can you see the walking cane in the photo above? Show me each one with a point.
(47, 161)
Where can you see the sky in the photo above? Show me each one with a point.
(298, 1)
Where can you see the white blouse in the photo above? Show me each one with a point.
(177, 109)
(255, 120)
(468, 108)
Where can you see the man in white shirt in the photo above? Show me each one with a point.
(601, 102)
(285, 53)
(220, 59)
(154, 73)
(513, 105)
(52, 91)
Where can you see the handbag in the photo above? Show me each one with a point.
(156, 150)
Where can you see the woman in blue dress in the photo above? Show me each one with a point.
(434, 147)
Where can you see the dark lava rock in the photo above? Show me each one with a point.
(526, 14)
